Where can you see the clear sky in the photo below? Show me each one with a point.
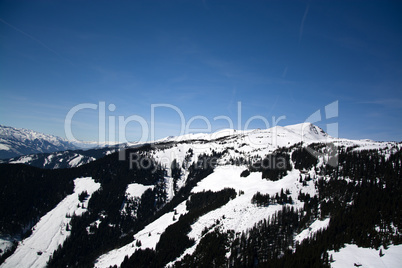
(278, 58)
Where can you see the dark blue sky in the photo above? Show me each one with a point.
(278, 58)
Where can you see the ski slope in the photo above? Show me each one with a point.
(50, 231)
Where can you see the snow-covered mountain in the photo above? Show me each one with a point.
(230, 198)
(254, 142)
(15, 142)
(18, 141)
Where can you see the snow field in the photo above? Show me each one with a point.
(367, 257)
(50, 231)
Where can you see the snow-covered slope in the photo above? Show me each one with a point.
(313, 228)
(259, 142)
(353, 256)
(148, 237)
(52, 229)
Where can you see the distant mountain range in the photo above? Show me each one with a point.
(18, 141)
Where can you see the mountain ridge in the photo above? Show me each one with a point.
(255, 141)
(15, 142)
(73, 157)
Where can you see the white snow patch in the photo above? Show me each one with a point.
(48, 159)
(314, 227)
(367, 257)
(136, 189)
(50, 231)
(229, 177)
(75, 162)
(22, 160)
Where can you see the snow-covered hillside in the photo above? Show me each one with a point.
(353, 256)
(259, 142)
(148, 237)
(240, 214)
(52, 229)
(160, 198)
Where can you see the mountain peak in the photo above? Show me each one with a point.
(19, 141)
